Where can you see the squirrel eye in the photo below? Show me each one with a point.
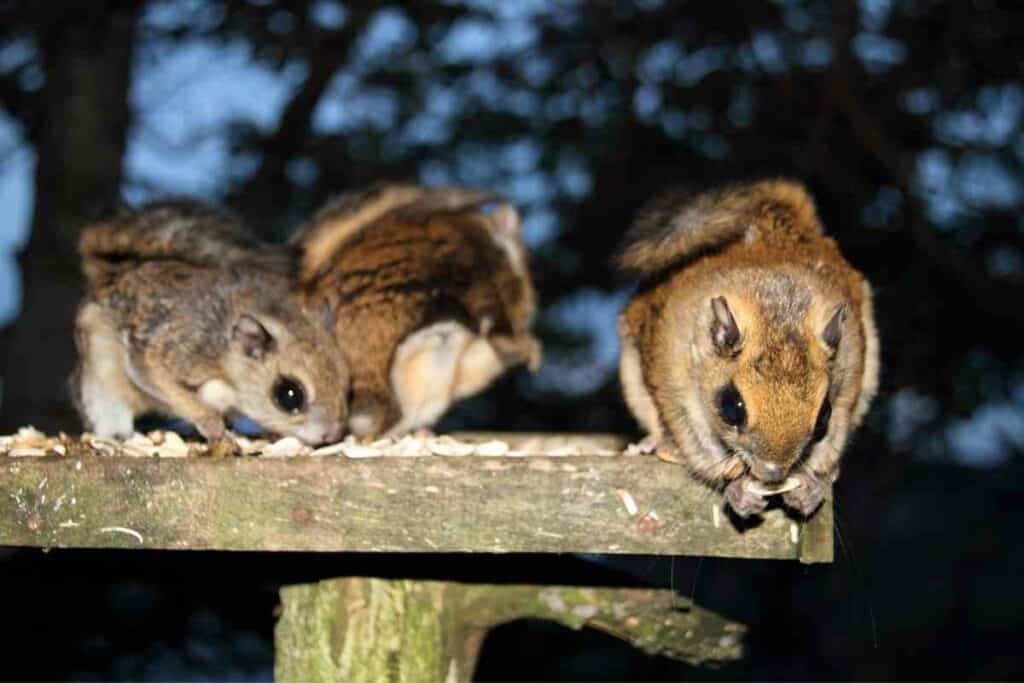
(288, 395)
(821, 426)
(731, 407)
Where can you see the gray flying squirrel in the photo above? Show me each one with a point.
(188, 315)
(749, 351)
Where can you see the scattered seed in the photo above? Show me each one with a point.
(287, 447)
(492, 448)
(122, 530)
(358, 450)
(760, 489)
(446, 445)
(333, 449)
(627, 500)
(26, 452)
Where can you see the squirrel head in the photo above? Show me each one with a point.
(767, 359)
(289, 374)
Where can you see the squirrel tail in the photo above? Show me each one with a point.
(349, 213)
(182, 230)
(679, 225)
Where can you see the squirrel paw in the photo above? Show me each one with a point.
(808, 496)
(743, 501)
(648, 444)
(223, 447)
(652, 445)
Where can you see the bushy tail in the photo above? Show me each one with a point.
(348, 214)
(181, 230)
(679, 225)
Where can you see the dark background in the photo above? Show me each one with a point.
(904, 118)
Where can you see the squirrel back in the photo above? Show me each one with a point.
(350, 213)
(181, 230)
(680, 225)
(434, 287)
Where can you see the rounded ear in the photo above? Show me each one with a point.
(253, 338)
(504, 216)
(725, 333)
(833, 332)
(325, 314)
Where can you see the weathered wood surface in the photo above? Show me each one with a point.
(577, 504)
(360, 629)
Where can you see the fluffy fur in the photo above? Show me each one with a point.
(758, 249)
(187, 315)
(432, 292)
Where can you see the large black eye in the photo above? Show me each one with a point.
(731, 407)
(289, 395)
(821, 426)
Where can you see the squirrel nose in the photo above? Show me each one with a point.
(768, 472)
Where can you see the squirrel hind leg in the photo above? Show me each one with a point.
(634, 391)
(105, 398)
(103, 392)
(424, 372)
(479, 364)
(106, 414)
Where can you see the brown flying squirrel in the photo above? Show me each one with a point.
(434, 290)
(749, 352)
(188, 315)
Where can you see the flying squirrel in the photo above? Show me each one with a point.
(432, 292)
(188, 315)
(749, 351)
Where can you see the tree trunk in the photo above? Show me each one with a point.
(362, 629)
(87, 58)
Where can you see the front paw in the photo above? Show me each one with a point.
(743, 501)
(648, 445)
(666, 453)
(223, 447)
(212, 429)
(808, 496)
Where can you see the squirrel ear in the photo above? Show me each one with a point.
(325, 314)
(725, 334)
(833, 332)
(504, 216)
(255, 340)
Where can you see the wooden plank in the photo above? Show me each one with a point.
(579, 504)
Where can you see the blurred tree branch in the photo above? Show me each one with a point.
(87, 55)
(991, 293)
(266, 192)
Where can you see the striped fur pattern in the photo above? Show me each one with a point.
(432, 293)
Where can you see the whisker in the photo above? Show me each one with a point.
(847, 550)
(696, 574)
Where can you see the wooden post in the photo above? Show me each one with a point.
(360, 629)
